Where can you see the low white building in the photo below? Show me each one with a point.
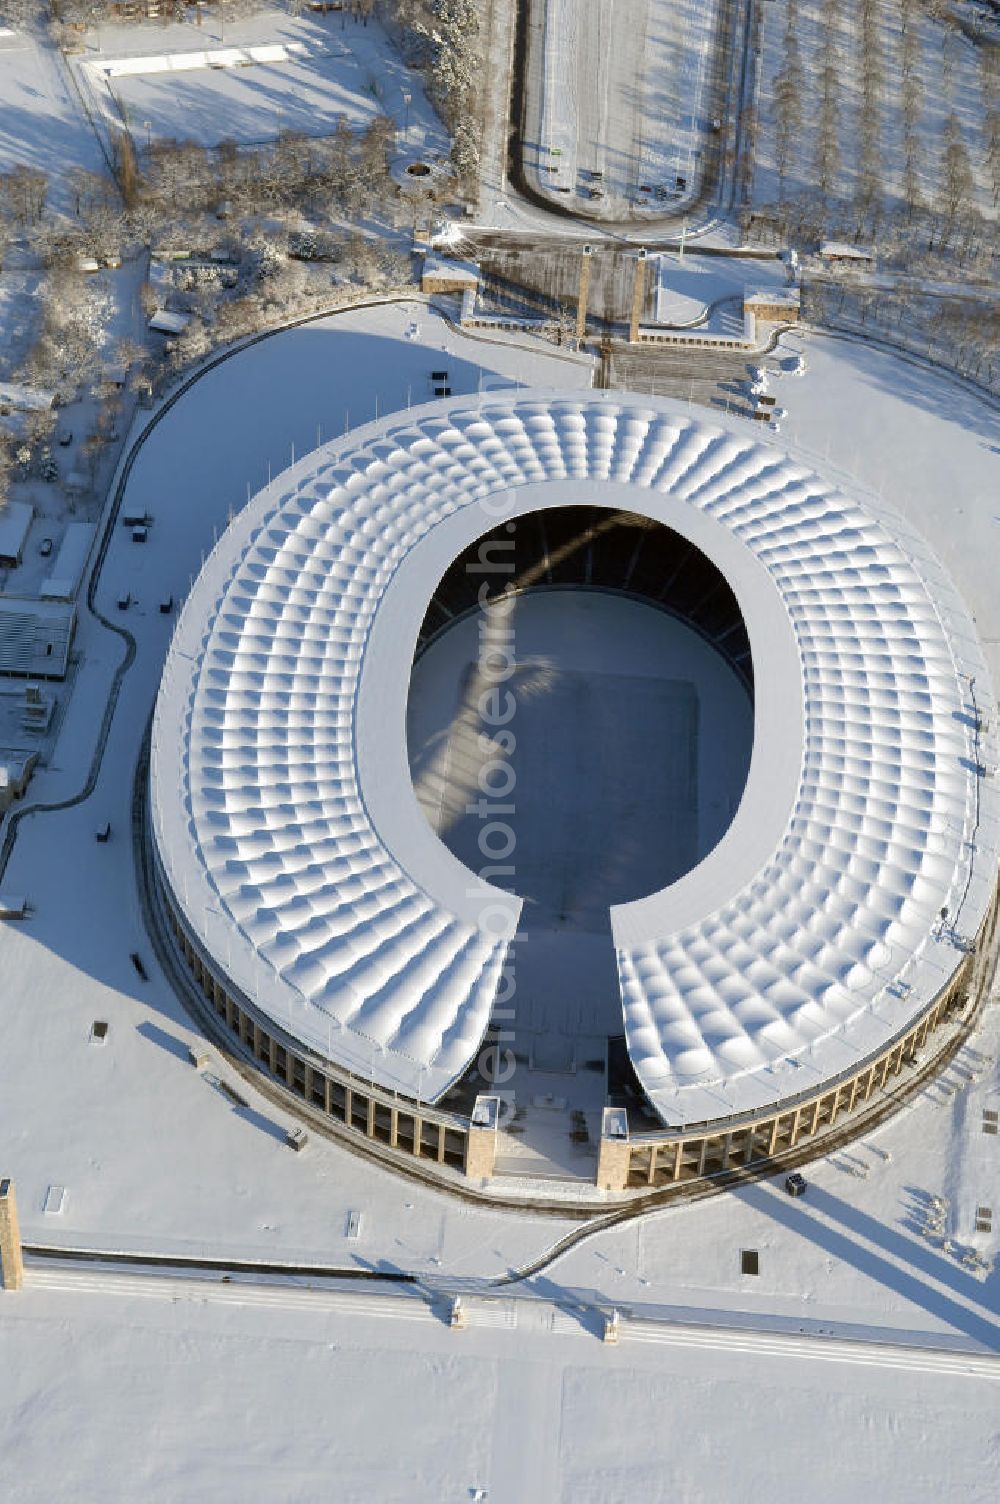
(68, 564)
(834, 251)
(17, 398)
(15, 524)
(165, 322)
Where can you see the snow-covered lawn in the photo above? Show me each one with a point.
(274, 72)
(165, 1390)
(947, 75)
(18, 309)
(41, 123)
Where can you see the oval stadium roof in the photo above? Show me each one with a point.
(289, 835)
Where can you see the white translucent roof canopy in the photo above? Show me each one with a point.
(292, 841)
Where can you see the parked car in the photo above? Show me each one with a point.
(46, 547)
(65, 438)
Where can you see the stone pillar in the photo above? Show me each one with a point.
(612, 1164)
(615, 1150)
(481, 1138)
(638, 292)
(480, 1153)
(581, 301)
(11, 1261)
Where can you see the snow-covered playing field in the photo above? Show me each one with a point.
(617, 103)
(615, 701)
(272, 72)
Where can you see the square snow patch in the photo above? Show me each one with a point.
(603, 787)
(55, 1201)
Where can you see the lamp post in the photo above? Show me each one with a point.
(407, 96)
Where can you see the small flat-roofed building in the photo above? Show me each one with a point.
(67, 566)
(441, 274)
(35, 637)
(15, 524)
(840, 251)
(165, 322)
(16, 398)
(778, 306)
(15, 773)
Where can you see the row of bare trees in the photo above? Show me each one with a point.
(338, 178)
(836, 155)
(962, 334)
(339, 175)
(446, 38)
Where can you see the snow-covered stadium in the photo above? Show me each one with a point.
(575, 753)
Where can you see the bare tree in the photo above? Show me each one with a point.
(957, 182)
(23, 191)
